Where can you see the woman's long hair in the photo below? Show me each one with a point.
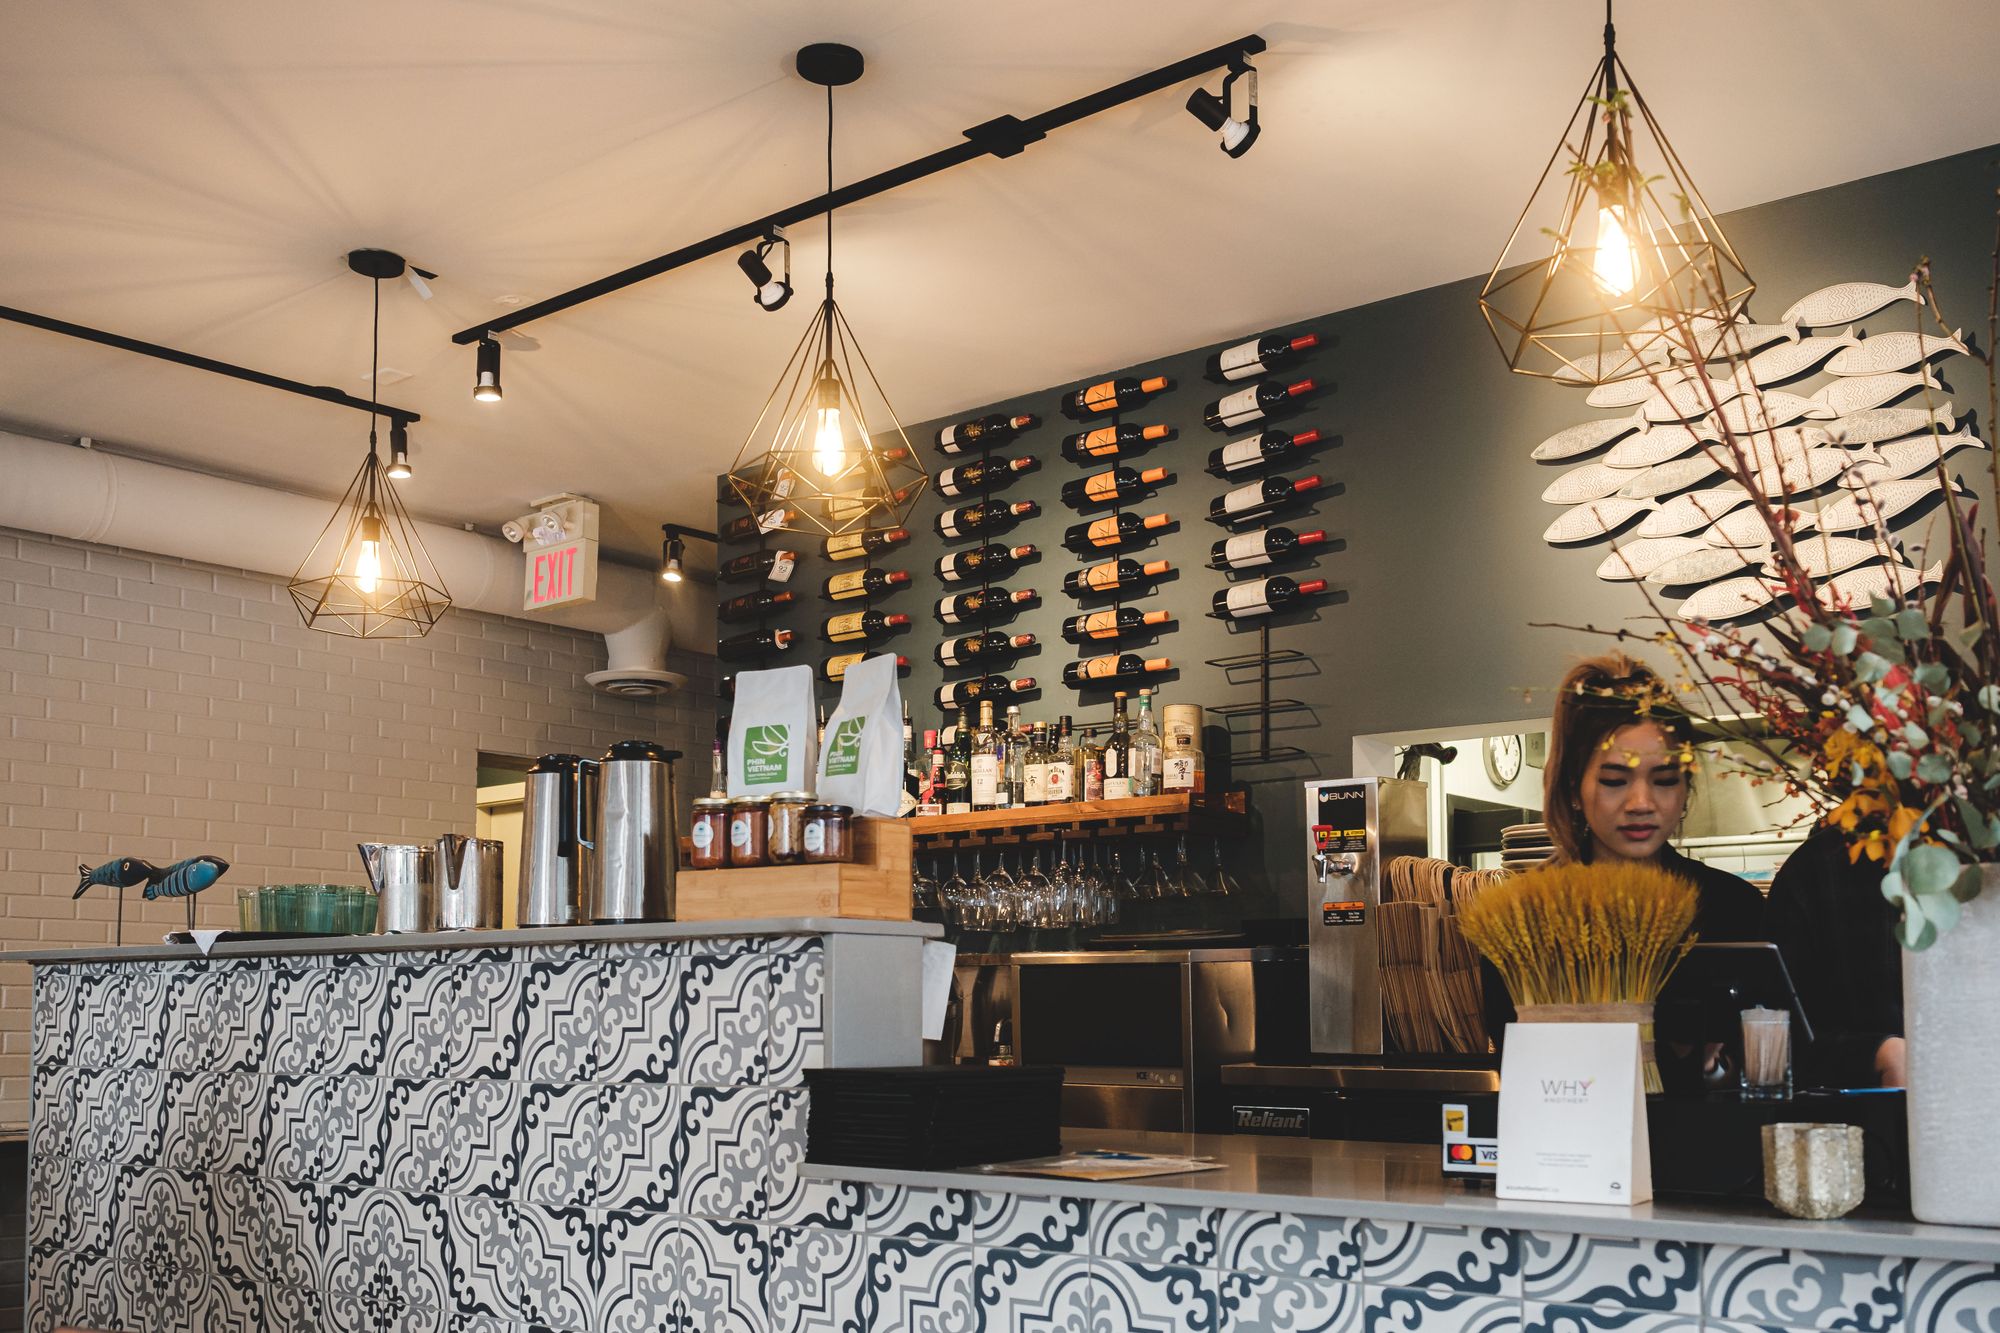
(1598, 697)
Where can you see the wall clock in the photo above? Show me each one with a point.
(1504, 755)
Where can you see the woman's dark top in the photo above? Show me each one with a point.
(1838, 935)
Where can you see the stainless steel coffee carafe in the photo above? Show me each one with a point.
(401, 876)
(638, 844)
(466, 872)
(558, 849)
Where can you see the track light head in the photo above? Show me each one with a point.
(772, 290)
(486, 388)
(1213, 110)
(399, 450)
(671, 551)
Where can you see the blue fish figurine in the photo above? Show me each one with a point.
(183, 879)
(122, 873)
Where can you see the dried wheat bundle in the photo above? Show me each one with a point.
(1584, 934)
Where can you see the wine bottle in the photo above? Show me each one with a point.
(770, 566)
(981, 604)
(1257, 499)
(1035, 767)
(846, 505)
(1112, 576)
(1114, 666)
(864, 583)
(752, 604)
(872, 541)
(835, 668)
(1258, 356)
(984, 562)
(1111, 531)
(1112, 623)
(958, 767)
(1113, 486)
(987, 432)
(1109, 442)
(1114, 395)
(958, 693)
(1148, 755)
(1247, 550)
(756, 525)
(990, 645)
(1268, 449)
(1253, 404)
(1260, 597)
(985, 516)
(860, 626)
(987, 474)
(754, 644)
(1118, 753)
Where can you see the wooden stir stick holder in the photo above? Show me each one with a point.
(874, 885)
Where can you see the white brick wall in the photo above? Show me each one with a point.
(157, 708)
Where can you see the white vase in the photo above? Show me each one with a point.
(1951, 1014)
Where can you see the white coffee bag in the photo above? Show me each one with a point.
(862, 762)
(771, 732)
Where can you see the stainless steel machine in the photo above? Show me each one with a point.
(1354, 826)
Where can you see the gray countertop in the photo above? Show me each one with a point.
(633, 933)
(1402, 1182)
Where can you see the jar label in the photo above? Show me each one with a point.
(1178, 774)
(739, 832)
(815, 837)
(703, 836)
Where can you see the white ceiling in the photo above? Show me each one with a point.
(193, 173)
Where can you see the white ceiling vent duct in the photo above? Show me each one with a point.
(89, 495)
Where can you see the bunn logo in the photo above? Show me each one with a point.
(767, 753)
(1271, 1119)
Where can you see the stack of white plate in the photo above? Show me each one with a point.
(1525, 846)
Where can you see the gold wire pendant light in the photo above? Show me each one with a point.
(369, 575)
(815, 461)
(1631, 269)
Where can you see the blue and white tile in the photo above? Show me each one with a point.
(357, 1016)
(1038, 1291)
(718, 1153)
(486, 1007)
(795, 1201)
(1289, 1245)
(482, 1258)
(125, 1025)
(1621, 1272)
(1555, 1317)
(558, 1142)
(638, 1277)
(915, 1286)
(727, 995)
(1152, 1298)
(642, 1020)
(423, 1038)
(485, 1115)
(1263, 1303)
(918, 1213)
(54, 1106)
(1474, 1260)
(380, 1270)
(119, 1115)
(422, 1151)
(814, 1279)
(166, 1222)
(1151, 1233)
(300, 1035)
(332, 1129)
(796, 1038)
(1948, 1297)
(221, 1019)
(271, 1229)
(564, 1257)
(723, 1268)
(636, 1122)
(1804, 1289)
(1419, 1310)
(561, 1013)
(52, 1018)
(1026, 1222)
(210, 1121)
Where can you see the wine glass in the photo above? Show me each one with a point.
(1187, 876)
(957, 894)
(924, 886)
(1225, 883)
(1001, 894)
(1037, 895)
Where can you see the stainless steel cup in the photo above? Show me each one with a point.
(401, 876)
(467, 875)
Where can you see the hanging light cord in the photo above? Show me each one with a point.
(829, 191)
(374, 363)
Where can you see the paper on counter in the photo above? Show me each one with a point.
(204, 940)
(939, 957)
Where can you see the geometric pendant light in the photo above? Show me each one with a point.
(368, 575)
(1616, 265)
(817, 460)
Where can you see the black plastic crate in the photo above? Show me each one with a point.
(932, 1117)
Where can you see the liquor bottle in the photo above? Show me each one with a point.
(873, 541)
(1148, 754)
(913, 767)
(1114, 486)
(1257, 499)
(981, 604)
(1088, 763)
(968, 649)
(1252, 404)
(1116, 395)
(755, 525)
(864, 583)
(752, 604)
(987, 474)
(930, 792)
(987, 432)
(1260, 597)
(835, 668)
(1111, 623)
(1035, 767)
(964, 693)
(986, 758)
(770, 566)
(982, 562)
(1109, 442)
(1112, 576)
(1115, 666)
(1268, 449)
(1059, 780)
(1247, 550)
(983, 517)
(958, 766)
(754, 644)
(718, 777)
(1014, 763)
(861, 626)
(1258, 356)
(1111, 532)
(1118, 753)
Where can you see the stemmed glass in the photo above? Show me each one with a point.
(1037, 895)
(1225, 883)
(1001, 896)
(924, 885)
(957, 895)
(1186, 875)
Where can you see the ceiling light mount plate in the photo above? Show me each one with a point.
(829, 64)
(379, 264)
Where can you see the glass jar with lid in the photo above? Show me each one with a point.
(827, 836)
(709, 836)
(747, 846)
(787, 832)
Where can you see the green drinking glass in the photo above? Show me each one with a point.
(247, 915)
(316, 904)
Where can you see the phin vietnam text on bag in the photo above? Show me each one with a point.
(771, 733)
(862, 762)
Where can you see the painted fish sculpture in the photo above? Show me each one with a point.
(1845, 302)
(1862, 393)
(1693, 511)
(1886, 423)
(123, 873)
(1592, 481)
(1906, 458)
(1658, 445)
(1741, 596)
(1705, 566)
(184, 879)
(1790, 360)
(1633, 560)
(1586, 437)
(1856, 588)
(1822, 557)
(1884, 352)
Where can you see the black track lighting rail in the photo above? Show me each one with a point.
(323, 393)
(1002, 136)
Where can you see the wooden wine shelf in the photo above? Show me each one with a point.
(1178, 813)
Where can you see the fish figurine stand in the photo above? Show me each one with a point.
(182, 879)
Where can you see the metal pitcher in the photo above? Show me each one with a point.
(467, 874)
(638, 846)
(401, 876)
(558, 849)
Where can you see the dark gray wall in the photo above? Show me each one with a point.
(1444, 568)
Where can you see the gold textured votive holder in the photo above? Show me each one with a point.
(1813, 1171)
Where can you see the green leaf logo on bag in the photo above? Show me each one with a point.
(767, 753)
(843, 748)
